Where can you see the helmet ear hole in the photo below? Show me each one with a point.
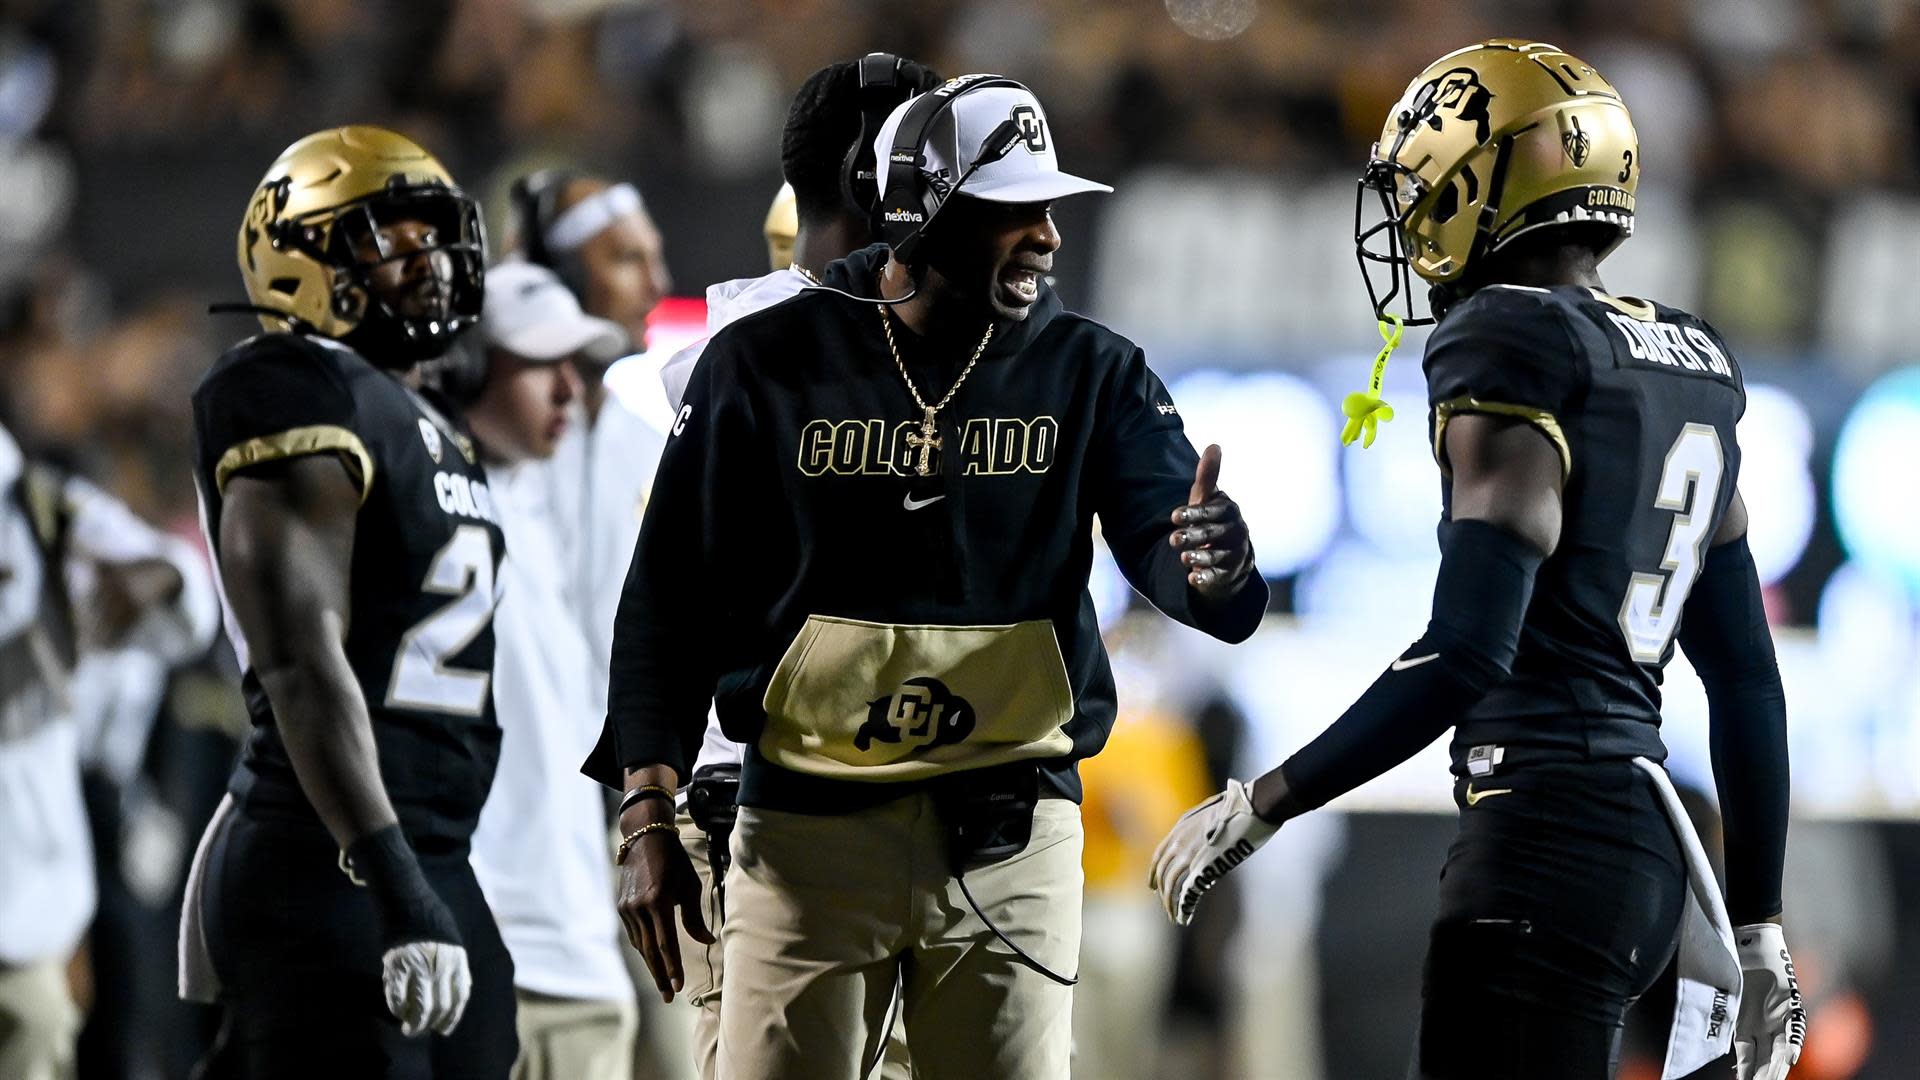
(1446, 204)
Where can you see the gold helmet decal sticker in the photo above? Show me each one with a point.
(1456, 94)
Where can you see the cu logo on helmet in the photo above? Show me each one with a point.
(1033, 130)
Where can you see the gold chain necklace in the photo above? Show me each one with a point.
(927, 439)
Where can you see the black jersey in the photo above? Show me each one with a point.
(425, 551)
(1641, 401)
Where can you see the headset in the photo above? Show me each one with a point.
(882, 76)
(534, 199)
(910, 199)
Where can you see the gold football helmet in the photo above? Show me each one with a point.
(783, 226)
(314, 221)
(1489, 143)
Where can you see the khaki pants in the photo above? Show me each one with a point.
(39, 1023)
(704, 964)
(572, 1039)
(825, 914)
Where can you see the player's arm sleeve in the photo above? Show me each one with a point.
(282, 401)
(1479, 601)
(661, 673)
(1507, 352)
(1146, 470)
(1724, 633)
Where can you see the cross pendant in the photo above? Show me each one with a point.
(927, 440)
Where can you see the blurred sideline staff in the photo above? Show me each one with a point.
(540, 850)
(821, 213)
(357, 542)
(81, 578)
(597, 236)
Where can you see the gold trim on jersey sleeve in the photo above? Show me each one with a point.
(1548, 424)
(298, 442)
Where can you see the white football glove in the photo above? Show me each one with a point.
(1773, 1022)
(428, 984)
(1206, 844)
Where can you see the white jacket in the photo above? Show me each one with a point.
(540, 851)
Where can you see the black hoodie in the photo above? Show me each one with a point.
(862, 628)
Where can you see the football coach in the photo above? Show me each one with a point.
(868, 544)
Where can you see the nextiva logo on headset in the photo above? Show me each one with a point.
(969, 127)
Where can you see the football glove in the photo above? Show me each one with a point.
(427, 984)
(1773, 1022)
(1209, 842)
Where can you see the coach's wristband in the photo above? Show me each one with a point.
(405, 907)
(644, 791)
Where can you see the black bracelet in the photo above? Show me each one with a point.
(644, 791)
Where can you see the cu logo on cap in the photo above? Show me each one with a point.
(1033, 130)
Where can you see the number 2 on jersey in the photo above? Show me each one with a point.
(1690, 487)
(463, 569)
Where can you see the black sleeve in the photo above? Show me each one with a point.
(1725, 635)
(1147, 470)
(1507, 351)
(1479, 601)
(662, 668)
(279, 398)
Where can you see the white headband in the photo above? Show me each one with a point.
(586, 219)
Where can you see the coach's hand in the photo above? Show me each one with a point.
(1773, 1022)
(655, 878)
(1209, 842)
(1212, 539)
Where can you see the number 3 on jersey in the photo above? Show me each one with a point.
(421, 679)
(1690, 487)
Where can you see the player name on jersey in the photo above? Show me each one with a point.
(1687, 347)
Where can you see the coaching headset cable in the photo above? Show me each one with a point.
(1024, 956)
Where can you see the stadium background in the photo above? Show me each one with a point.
(1781, 201)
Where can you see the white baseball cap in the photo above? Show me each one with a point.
(1029, 173)
(531, 313)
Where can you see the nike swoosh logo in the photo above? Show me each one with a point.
(1474, 797)
(912, 503)
(1403, 664)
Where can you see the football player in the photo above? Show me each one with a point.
(1587, 449)
(331, 906)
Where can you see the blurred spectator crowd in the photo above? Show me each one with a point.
(131, 130)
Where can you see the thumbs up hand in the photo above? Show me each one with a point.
(1211, 537)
